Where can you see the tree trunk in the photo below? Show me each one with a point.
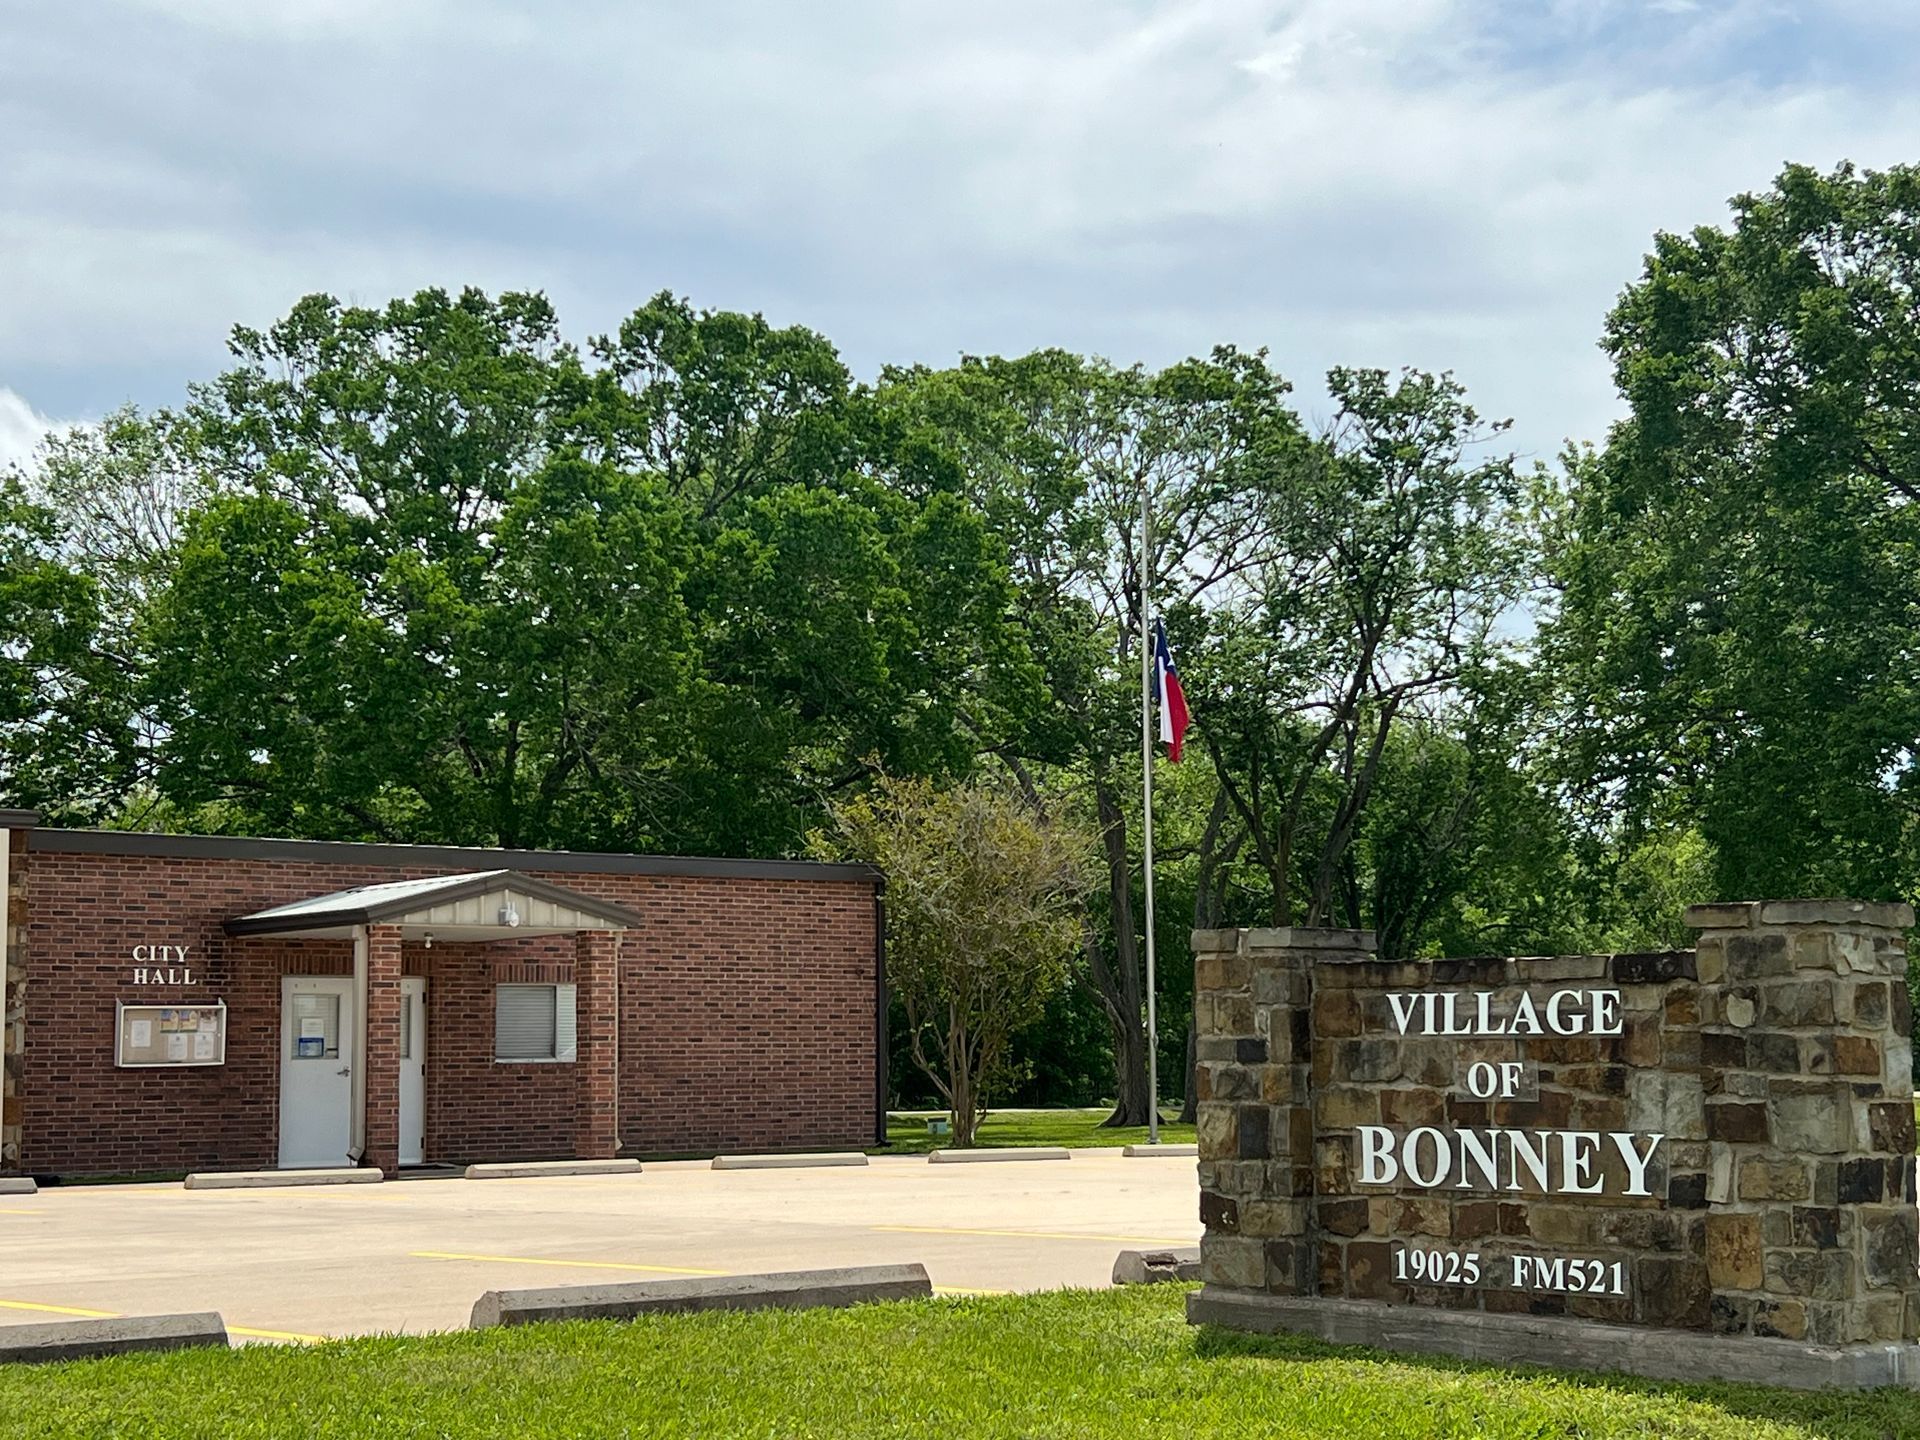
(964, 1114)
(1130, 1073)
(1118, 984)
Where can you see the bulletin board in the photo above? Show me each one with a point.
(170, 1036)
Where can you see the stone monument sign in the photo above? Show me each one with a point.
(1688, 1164)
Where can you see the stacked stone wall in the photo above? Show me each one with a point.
(13, 1009)
(1772, 1064)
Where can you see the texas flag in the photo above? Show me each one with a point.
(1173, 700)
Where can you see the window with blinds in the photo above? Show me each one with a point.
(533, 1022)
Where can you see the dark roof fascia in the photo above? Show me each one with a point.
(433, 857)
(19, 819)
(401, 904)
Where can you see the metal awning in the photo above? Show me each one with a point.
(479, 905)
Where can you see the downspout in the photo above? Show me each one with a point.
(357, 1081)
(619, 937)
(880, 1011)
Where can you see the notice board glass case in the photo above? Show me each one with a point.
(170, 1036)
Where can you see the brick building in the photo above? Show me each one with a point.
(178, 1003)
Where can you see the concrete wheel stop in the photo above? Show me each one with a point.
(276, 1179)
(789, 1290)
(532, 1169)
(122, 1335)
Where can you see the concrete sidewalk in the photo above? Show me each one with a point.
(294, 1264)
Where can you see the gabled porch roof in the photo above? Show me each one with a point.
(479, 905)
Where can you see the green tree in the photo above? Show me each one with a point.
(66, 741)
(1737, 640)
(119, 489)
(1056, 452)
(982, 922)
(406, 614)
(1392, 556)
(456, 584)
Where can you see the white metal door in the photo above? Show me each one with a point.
(413, 1070)
(316, 1070)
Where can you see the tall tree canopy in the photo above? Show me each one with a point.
(458, 585)
(1740, 629)
(1386, 563)
(1056, 452)
(67, 745)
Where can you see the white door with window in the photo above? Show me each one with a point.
(316, 1070)
(413, 1070)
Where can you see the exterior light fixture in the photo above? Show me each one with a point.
(508, 915)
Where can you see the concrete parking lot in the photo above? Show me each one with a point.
(309, 1262)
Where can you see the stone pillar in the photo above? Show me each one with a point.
(1806, 1059)
(13, 1018)
(382, 1060)
(1253, 1012)
(596, 978)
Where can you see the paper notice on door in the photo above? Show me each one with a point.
(312, 1027)
(177, 1045)
(141, 1037)
(203, 1043)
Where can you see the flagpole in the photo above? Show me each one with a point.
(1146, 794)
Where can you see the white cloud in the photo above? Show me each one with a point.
(1452, 183)
(21, 429)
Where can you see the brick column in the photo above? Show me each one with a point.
(382, 1060)
(596, 978)
(1253, 1007)
(1807, 1059)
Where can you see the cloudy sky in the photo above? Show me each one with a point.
(1457, 184)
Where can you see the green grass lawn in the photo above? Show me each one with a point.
(1072, 1363)
(907, 1133)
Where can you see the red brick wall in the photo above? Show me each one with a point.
(477, 1107)
(746, 1016)
(742, 1032)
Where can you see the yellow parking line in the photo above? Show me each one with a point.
(24, 1210)
(966, 1290)
(1036, 1235)
(59, 1309)
(570, 1264)
(291, 1335)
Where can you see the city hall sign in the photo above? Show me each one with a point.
(1689, 1164)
